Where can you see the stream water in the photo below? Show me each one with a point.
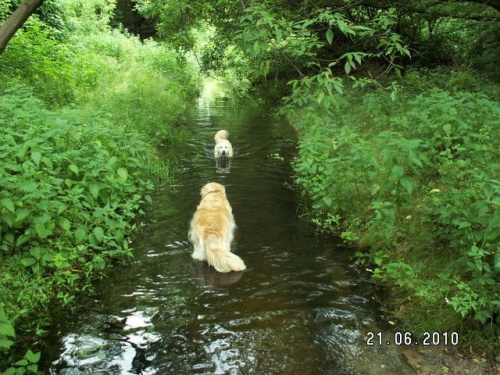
(301, 306)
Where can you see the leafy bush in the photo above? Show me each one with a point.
(416, 180)
(72, 185)
(143, 85)
(82, 107)
(35, 56)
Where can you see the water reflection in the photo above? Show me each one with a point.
(209, 276)
(223, 164)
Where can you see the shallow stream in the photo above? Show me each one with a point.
(300, 308)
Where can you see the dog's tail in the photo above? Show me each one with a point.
(221, 135)
(224, 261)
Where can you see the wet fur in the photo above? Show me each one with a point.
(223, 147)
(212, 229)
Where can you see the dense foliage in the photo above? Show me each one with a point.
(72, 185)
(415, 179)
(281, 39)
(82, 106)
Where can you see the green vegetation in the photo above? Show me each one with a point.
(396, 108)
(82, 107)
(415, 180)
(395, 104)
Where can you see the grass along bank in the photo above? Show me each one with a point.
(82, 109)
(411, 176)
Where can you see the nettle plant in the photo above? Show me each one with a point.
(72, 185)
(393, 170)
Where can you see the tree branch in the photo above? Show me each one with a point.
(16, 20)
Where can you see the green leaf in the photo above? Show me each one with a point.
(378, 259)
(94, 190)
(328, 201)
(407, 184)
(265, 66)
(41, 230)
(32, 357)
(28, 262)
(8, 204)
(397, 172)
(14, 371)
(7, 330)
(329, 36)
(80, 235)
(73, 168)
(65, 224)
(48, 163)
(61, 207)
(99, 234)
(122, 174)
(112, 161)
(347, 67)
(5, 343)
(36, 157)
(374, 189)
(21, 214)
(29, 187)
(23, 238)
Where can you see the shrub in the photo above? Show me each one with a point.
(72, 185)
(82, 107)
(416, 180)
(35, 57)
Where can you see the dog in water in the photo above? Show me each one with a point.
(223, 147)
(212, 229)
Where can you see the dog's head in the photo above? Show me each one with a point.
(222, 148)
(212, 187)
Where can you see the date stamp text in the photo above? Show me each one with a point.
(409, 339)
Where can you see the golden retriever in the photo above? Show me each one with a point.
(212, 230)
(223, 147)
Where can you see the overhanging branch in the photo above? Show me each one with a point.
(16, 20)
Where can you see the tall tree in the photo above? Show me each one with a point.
(16, 20)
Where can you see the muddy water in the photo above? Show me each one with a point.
(300, 307)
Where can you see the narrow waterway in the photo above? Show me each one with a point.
(300, 308)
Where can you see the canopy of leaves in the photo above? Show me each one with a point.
(287, 38)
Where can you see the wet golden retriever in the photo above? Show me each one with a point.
(212, 229)
(223, 147)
